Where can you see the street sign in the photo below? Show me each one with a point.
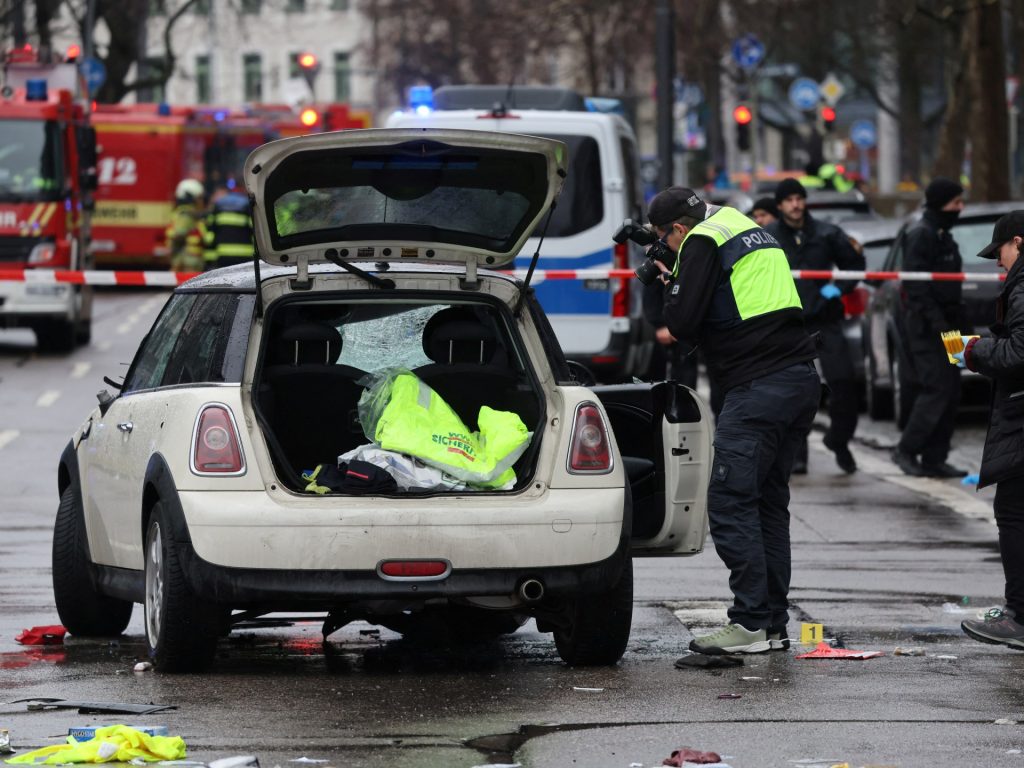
(748, 51)
(804, 93)
(832, 90)
(863, 134)
(94, 72)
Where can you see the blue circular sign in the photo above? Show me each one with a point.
(864, 134)
(748, 51)
(804, 93)
(94, 72)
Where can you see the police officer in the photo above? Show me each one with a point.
(731, 293)
(1001, 357)
(929, 308)
(185, 233)
(813, 244)
(228, 230)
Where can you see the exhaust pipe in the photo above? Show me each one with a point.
(531, 590)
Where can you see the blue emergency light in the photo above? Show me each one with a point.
(163, 109)
(35, 90)
(421, 99)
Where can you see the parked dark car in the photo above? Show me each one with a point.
(890, 381)
(875, 238)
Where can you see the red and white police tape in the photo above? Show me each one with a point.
(171, 279)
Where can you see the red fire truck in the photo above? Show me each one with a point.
(144, 151)
(47, 172)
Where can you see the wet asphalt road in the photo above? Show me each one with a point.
(876, 557)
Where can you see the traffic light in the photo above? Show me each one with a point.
(309, 118)
(743, 117)
(828, 118)
(309, 66)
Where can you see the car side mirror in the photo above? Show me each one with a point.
(105, 399)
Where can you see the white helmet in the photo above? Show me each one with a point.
(188, 190)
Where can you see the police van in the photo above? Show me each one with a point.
(597, 321)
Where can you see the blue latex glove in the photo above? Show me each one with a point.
(829, 291)
(959, 359)
(970, 480)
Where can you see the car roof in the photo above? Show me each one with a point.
(867, 231)
(973, 211)
(241, 278)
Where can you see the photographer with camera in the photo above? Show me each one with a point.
(730, 291)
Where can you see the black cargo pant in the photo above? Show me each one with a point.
(929, 429)
(1009, 509)
(760, 429)
(843, 398)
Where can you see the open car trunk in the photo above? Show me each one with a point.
(327, 367)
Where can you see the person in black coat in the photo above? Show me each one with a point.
(1001, 357)
(813, 244)
(929, 308)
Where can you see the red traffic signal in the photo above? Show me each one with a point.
(309, 117)
(828, 117)
(307, 61)
(742, 115)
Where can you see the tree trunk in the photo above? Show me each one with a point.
(989, 127)
(911, 123)
(949, 159)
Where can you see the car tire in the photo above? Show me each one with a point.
(82, 609)
(83, 333)
(879, 401)
(599, 624)
(181, 629)
(55, 336)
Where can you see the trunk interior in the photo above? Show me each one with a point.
(319, 354)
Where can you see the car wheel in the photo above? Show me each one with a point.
(879, 401)
(902, 393)
(598, 628)
(83, 333)
(55, 336)
(83, 610)
(181, 629)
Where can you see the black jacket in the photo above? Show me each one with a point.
(700, 309)
(1001, 357)
(819, 245)
(935, 306)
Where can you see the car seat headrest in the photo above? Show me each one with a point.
(457, 335)
(309, 344)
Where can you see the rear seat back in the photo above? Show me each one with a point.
(312, 398)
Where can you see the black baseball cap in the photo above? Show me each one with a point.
(674, 203)
(1008, 227)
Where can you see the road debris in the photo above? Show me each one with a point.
(39, 703)
(707, 661)
(587, 690)
(730, 695)
(52, 634)
(309, 760)
(143, 666)
(5, 742)
(112, 743)
(899, 650)
(826, 651)
(1005, 721)
(688, 755)
(86, 732)
(238, 761)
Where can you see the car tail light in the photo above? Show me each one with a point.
(414, 569)
(589, 451)
(620, 299)
(215, 446)
(856, 302)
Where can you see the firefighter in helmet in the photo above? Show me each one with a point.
(186, 232)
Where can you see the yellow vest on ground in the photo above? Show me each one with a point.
(111, 744)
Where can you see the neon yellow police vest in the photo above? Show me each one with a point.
(759, 273)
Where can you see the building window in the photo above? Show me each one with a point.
(203, 79)
(342, 77)
(251, 6)
(252, 67)
(152, 66)
(293, 65)
(201, 8)
(339, 5)
(295, 6)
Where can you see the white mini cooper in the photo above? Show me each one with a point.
(193, 490)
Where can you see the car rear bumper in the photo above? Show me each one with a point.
(253, 529)
(20, 302)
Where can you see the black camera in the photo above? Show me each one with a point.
(657, 250)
